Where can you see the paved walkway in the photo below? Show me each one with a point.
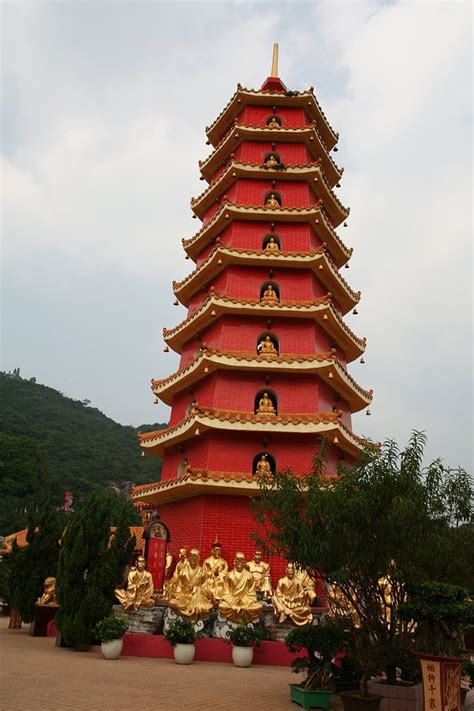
(35, 676)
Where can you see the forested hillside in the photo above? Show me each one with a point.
(50, 444)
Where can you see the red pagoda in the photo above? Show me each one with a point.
(264, 347)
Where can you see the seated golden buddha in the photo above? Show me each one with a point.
(272, 247)
(140, 589)
(216, 569)
(271, 161)
(290, 599)
(263, 466)
(239, 602)
(261, 575)
(267, 347)
(269, 296)
(190, 596)
(273, 123)
(265, 406)
(272, 201)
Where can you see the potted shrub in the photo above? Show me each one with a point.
(243, 638)
(367, 660)
(110, 631)
(182, 636)
(321, 643)
(441, 612)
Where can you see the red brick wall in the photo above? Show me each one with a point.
(257, 116)
(290, 153)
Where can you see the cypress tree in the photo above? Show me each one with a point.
(30, 566)
(90, 568)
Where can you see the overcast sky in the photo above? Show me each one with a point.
(104, 109)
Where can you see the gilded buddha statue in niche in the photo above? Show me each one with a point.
(190, 596)
(290, 599)
(263, 466)
(272, 247)
(270, 296)
(271, 161)
(267, 347)
(273, 123)
(272, 201)
(261, 575)
(265, 406)
(215, 568)
(239, 602)
(139, 592)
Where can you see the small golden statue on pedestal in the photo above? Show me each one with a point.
(263, 466)
(239, 602)
(261, 575)
(48, 598)
(140, 589)
(265, 406)
(216, 569)
(272, 247)
(266, 347)
(271, 201)
(269, 296)
(190, 596)
(291, 600)
(273, 123)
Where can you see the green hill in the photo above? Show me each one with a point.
(50, 444)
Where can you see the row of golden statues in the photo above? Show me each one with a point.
(194, 590)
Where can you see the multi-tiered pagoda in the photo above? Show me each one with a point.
(264, 347)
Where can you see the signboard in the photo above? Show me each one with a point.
(156, 537)
(441, 682)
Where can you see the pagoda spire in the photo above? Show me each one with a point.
(275, 61)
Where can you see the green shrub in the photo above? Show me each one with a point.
(111, 627)
(245, 636)
(181, 632)
(321, 642)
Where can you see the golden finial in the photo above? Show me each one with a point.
(275, 61)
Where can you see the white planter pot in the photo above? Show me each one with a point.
(184, 653)
(112, 649)
(242, 656)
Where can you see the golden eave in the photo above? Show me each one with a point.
(228, 212)
(324, 365)
(202, 419)
(215, 305)
(197, 481)
(311, 173)
(244, 97)
(240, 132)
(221, 257)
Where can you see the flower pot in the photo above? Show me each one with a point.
(310, 698)
(353, 701)
(242, 656)
(183, 653)
(112, 649)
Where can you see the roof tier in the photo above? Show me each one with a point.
(311, 173)
(215, 305)
(229, 212)
(221, 257)
(195, 482)
(244, 97)
(324, 365)
(242, 132)
(201, 419)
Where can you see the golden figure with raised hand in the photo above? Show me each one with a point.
(261, 575)
(272, 247)
(215, 568)
(290, 599)
(239, 602)
(139, 592)
(271, 201)
(265, 406)
(49, 593)
(263, 466)
(190, 596)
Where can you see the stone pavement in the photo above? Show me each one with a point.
(35, 676)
